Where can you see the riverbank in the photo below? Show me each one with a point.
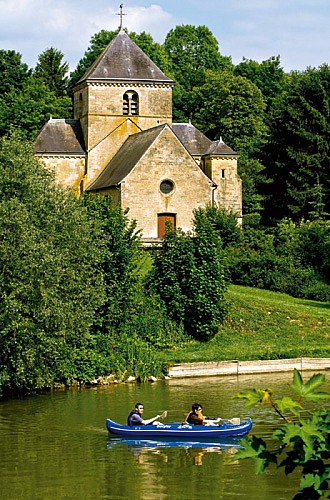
(233, 367)
(236, 367)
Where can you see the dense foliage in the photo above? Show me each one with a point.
(188, 276)
(29, 98)
(53, 71)
(72, 304)
(49, 284)
(303, 442)
(291, 258)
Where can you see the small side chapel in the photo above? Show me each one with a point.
(122, 143)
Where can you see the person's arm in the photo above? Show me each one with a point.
(146, 422)
(212, 421)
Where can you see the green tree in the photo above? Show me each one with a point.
(192, 51)
(231, 107)
(225, 223)
(13, 72)
(313, 244)
(171, 272)
(268, 75)
(206, 307)
(30, 108)
(303, 441)
(53, 71)
(120, 256)
(297, 154)
(50, 285)
(128, 325)
(189, 278)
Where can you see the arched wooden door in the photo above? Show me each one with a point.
(162, 220)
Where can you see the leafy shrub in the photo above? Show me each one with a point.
(188, 276)
(304, 439)
(317, 290)
(289, 258)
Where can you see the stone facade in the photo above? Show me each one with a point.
(181, 201)
(122, 142)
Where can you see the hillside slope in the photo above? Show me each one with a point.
(263, 325)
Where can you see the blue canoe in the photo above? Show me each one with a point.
(182, 431)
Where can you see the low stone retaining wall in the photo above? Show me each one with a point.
(236, 367)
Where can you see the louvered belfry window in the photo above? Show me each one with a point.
(130, 103)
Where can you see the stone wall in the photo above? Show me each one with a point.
(237, 367)
(223, 171)
(167, 159)
(69, 170)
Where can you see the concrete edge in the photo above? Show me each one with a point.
(236, 367)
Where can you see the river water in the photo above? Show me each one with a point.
(55, 445)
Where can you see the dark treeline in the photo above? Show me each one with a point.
(79, 297)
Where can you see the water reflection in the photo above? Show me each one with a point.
(140, 448)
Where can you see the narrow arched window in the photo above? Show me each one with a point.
(130, 103)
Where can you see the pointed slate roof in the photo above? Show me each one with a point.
(60, 136)
(123, 60)
(193, 140)
(126, 158)
(219, 148)
(197, 143)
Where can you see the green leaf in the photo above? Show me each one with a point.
(307, 389)
(252, 396)
(287, 404)
(310, 481)
(314, 383)
(318, 395)
(297, 382)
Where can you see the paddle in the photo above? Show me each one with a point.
(218, 421)
(163, 415)
(235, 421)
(152, 420)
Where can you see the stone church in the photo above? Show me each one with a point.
(122, 143)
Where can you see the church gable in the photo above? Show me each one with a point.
(125, 159)
(157, 179)
(101, 154)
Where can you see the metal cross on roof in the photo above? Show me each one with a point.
(121, 14)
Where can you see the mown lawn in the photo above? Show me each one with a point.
(263, 325)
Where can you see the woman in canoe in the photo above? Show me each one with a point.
(196, 416)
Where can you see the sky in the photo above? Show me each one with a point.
(296, 30)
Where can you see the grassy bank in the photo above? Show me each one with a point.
(263, 325)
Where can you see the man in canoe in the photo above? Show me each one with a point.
(135, 417)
